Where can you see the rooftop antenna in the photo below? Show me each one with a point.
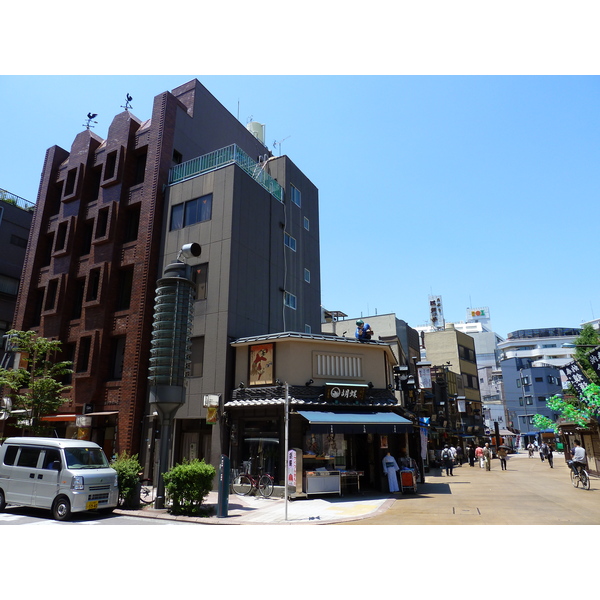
(128, 103)
(276, 143)
(90, 117)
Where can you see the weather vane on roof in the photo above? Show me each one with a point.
(128, 103)
(90, 117)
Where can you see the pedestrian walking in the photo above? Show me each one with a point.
(459, 456)
(448, 460)
(502, 454)
(390, 468)
(487, 457)
(544, 451)
(471, 454)
(550, 457)
(479, 455)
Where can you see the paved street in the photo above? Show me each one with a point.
(529, 492)
(19, 515)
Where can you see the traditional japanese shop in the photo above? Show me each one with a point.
(340, 429)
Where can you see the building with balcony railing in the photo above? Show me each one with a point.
(16, 214)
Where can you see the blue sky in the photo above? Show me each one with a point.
(482, 189)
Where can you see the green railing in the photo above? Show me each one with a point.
(16, 200)
(221, 158)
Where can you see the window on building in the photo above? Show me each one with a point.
(289, 300)
(197, 359)
(539, 379)
(70, 185)
(117, 357)
(15, 240)
(132, 224)
(51, 292)
(337, 365)
(528, 399)
(61, 236)
(542, 399)
(93, 286)
(125, 288)
(307, 223)
(9, 285)
(307, 275)
(86, 238)
(295, 195)
(94, 186)
(102, 223)
(140, 168)
(200, 279)
(307, 328)
(289, 241)
(191, 212)
(83, 354)
(110, 166)
(78, 292)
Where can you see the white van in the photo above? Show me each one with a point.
(65, 476)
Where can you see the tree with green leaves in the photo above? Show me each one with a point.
(573, 407)
(36, 385)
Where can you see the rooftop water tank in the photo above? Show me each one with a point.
(257, 130)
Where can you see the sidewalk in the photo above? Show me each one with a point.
(250, 510)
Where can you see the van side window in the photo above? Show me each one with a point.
(11, 454)
(52, 455)
(28, 457)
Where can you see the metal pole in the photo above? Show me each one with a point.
(285, 447)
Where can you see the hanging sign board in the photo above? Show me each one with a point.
(575, 376)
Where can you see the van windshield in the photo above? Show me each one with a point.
(86, 458)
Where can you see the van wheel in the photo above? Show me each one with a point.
(61, 509)
(2, 501)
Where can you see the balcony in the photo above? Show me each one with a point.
(221, 158)
(16, 201)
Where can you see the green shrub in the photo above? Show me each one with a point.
(128, 469)
(187, 485)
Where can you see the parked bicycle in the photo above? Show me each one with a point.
(245, 483)
(582, 477)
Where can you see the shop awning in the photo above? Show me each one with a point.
(64, 417)
(375, 422)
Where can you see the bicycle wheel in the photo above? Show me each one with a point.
(265, 485)
(574, 479)
(242, 485)
(585, 480)
(147, 491)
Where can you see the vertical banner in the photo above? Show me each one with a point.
(291, 468)
(575, 376)
(425, 378)
(594, 358)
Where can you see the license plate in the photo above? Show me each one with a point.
(91, 505)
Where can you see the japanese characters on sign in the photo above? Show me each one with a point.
(594, 358)
(345, 392)
(576, 376)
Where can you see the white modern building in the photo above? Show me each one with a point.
(541, 347)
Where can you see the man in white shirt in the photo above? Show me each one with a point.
(578, 457)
